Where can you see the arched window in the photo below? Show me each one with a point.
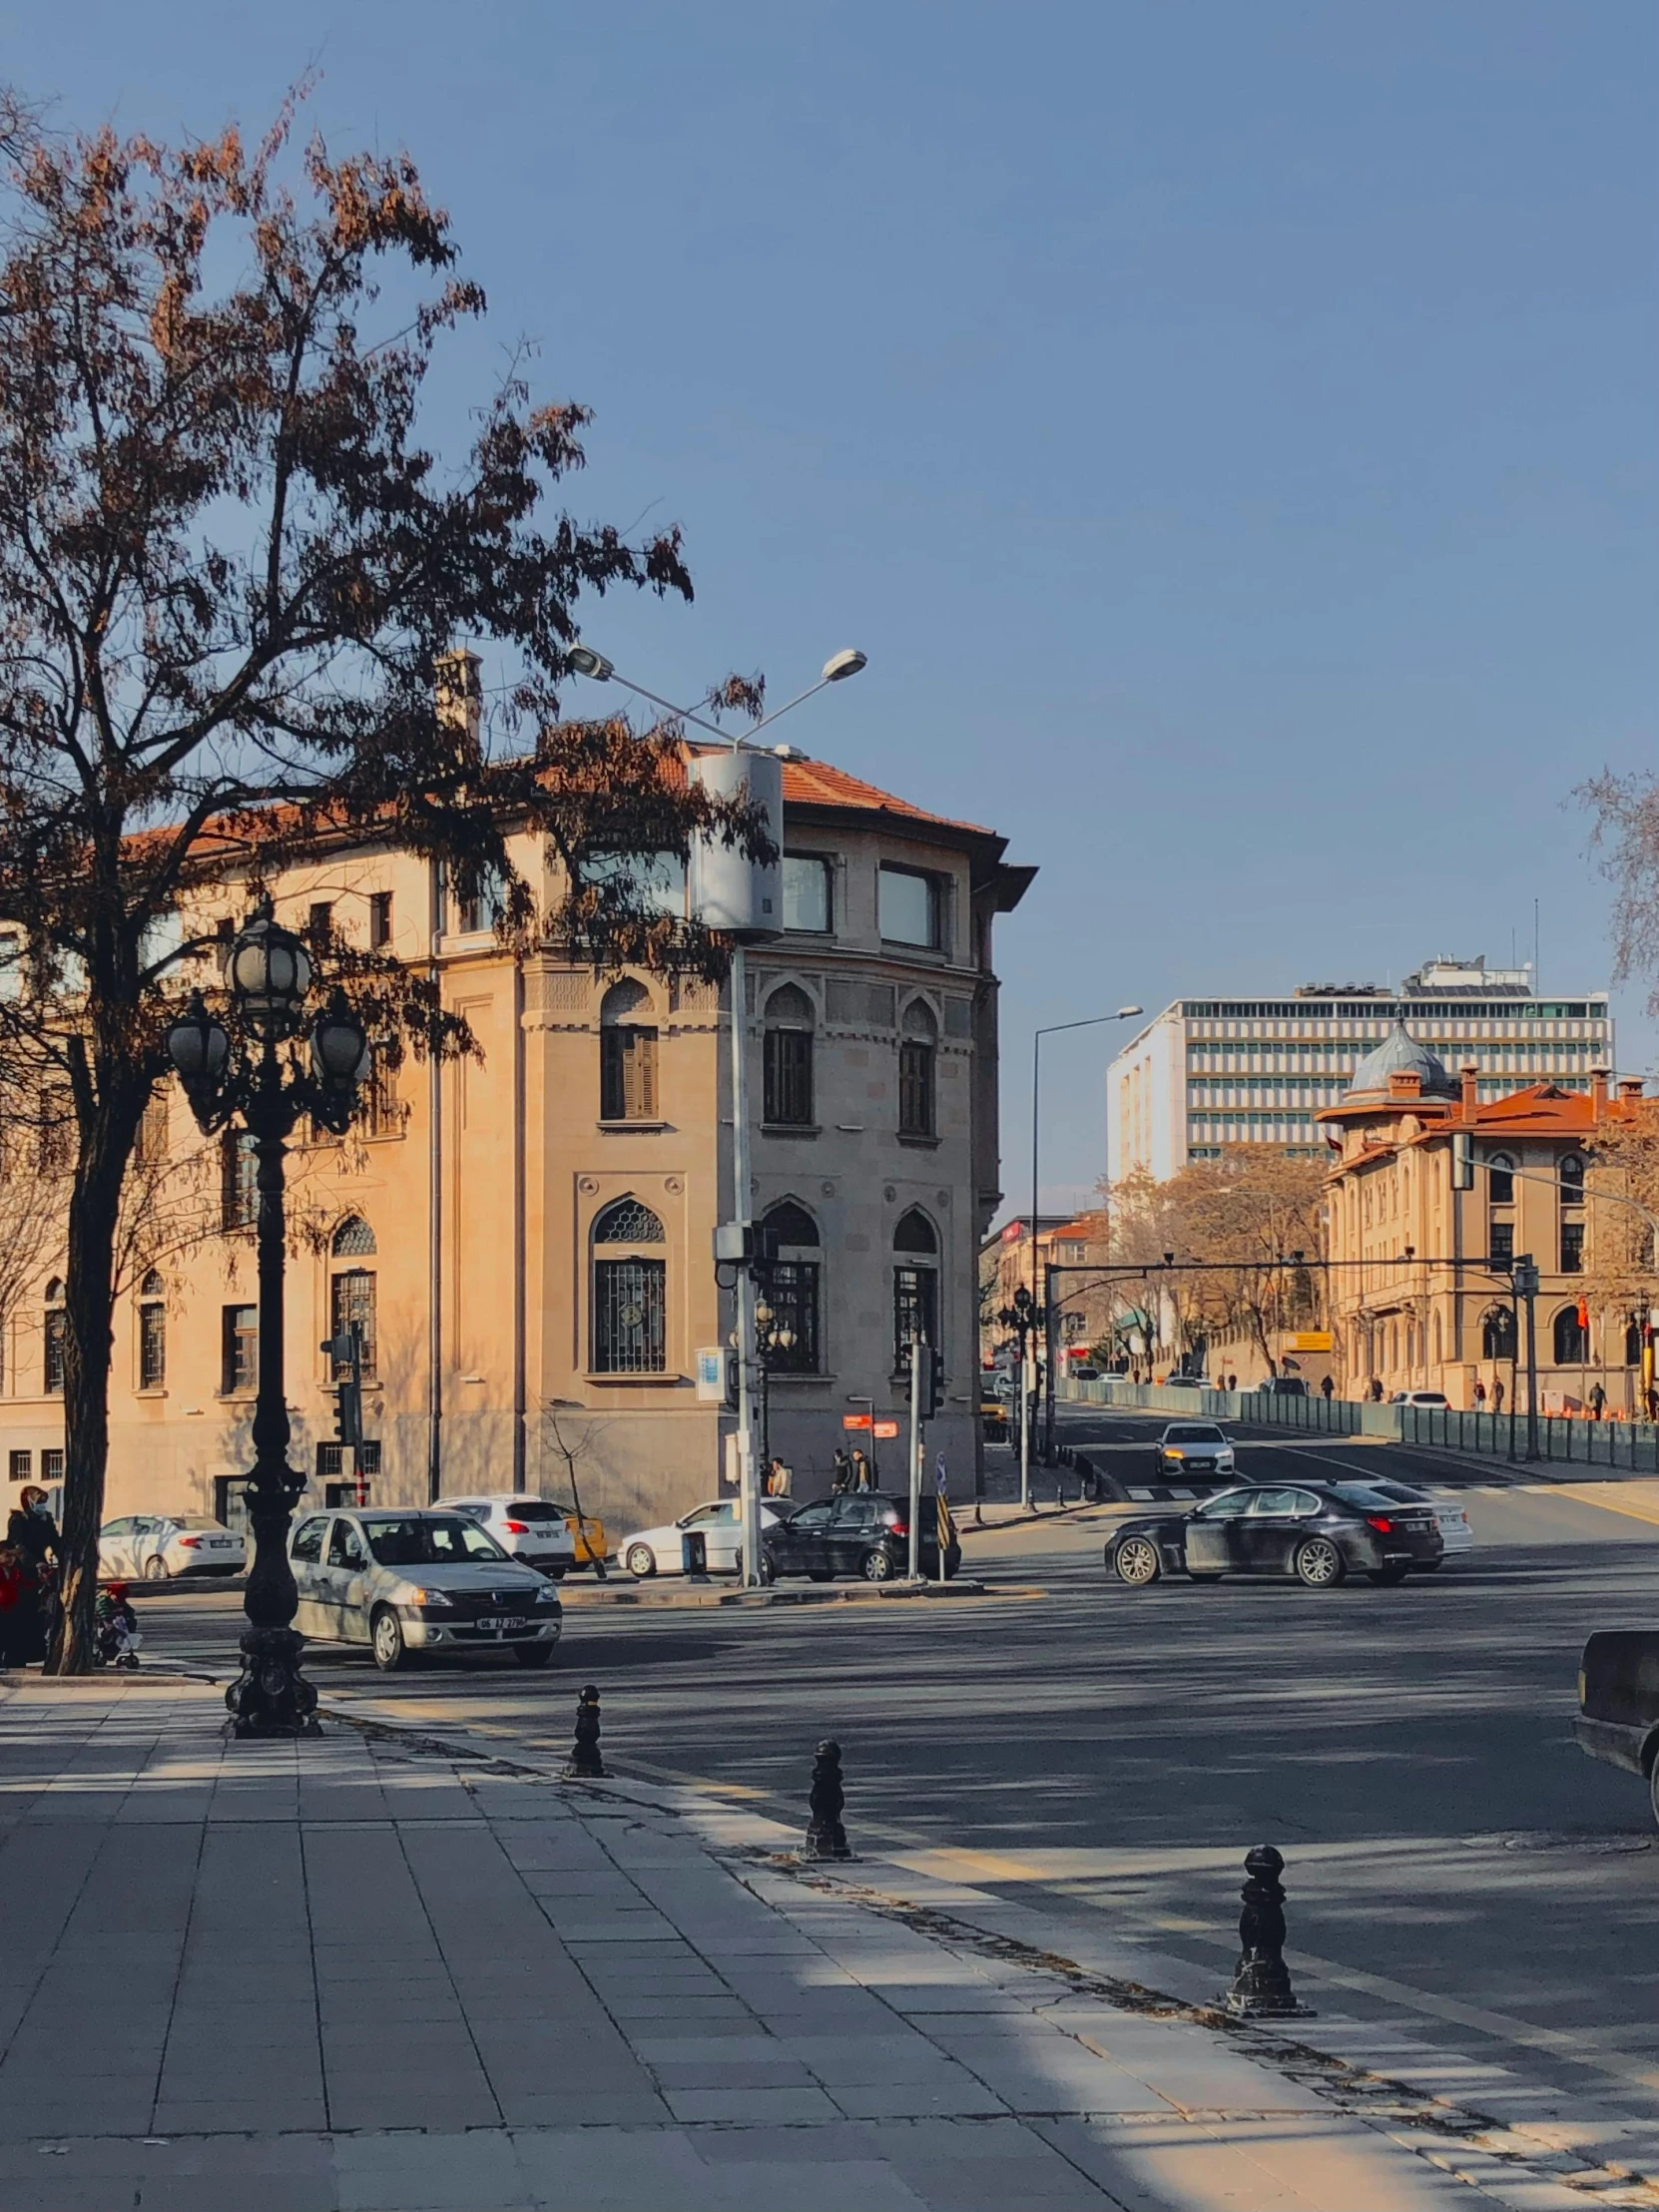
(790, 1290)
(1571, 1179)
(1572, 1345)
(916, 1046)
(1634, 1344)
(352, 1297)
(152, 1333)
(1500, 1180)
(1436, 1334)
(1497, 1332)
(916, 1284)
(54, 1335)
(788, 1063)
(627, 1054)
(630, 1291)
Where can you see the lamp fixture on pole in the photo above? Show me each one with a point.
(268, 972)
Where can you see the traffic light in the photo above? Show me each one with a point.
(934, 1404)
(348, 1413)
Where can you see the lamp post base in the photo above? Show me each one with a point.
(271, 1697)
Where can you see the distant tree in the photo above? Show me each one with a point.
(229, 568)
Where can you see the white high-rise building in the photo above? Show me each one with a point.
(1208, 1072)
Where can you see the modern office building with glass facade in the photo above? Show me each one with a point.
(1208, 1072)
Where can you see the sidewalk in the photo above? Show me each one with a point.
(359, 1973)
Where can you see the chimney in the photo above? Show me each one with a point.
(1405, 1083)
(459, 693)
(1471, 1101)
(1630, 1086)
(1598, 1093)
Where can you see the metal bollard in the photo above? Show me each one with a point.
(1261, 1985)
(584, 1761)
(826, 1836)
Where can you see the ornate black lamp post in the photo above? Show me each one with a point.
(1024, 1318)
(270, 973)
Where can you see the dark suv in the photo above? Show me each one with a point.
(865, 1533)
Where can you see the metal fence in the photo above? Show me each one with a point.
(1627, 1445)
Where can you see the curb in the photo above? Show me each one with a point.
(675, 1600)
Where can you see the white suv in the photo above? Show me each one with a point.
(531, 1530)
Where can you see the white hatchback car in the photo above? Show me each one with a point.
(419, 1579)
(657, 1550)
(159, 1547)
(527, 1528)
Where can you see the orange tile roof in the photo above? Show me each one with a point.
(1540, 1110)
(816, 783)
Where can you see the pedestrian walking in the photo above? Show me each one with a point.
(32, 1534)
(841, 1479)
(1327, 1388)
(1497, 1394)
(779, 1479)
(1374, 1390)
(1232, 1382)
(31, 1526)
(1479, 1395)
(860, 1469)
(1598, 1399)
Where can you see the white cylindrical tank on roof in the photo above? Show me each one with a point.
(729, 890)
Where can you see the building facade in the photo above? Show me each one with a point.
(525, 1237)
(1078, 1247)
(1420, 1290)
(1208, 1072)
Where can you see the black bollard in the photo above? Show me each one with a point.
(584, 1760)
(826, 1836)
(1261, 1985)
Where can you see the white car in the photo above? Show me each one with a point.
(419, 1579)
(160, 1548)
(1193, 1448)
(1418, 1398)
(527, 1528)
(657, 1550)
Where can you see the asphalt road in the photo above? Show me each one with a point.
(1454, 1861)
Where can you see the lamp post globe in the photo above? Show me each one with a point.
(341, 1055)
(270, 973)
(198, 1046)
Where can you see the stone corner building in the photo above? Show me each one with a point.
(526, 1239)
(1420, 1293)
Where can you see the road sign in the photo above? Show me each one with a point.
(886, 1428)
(854, 1421)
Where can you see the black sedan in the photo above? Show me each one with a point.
(865, 1534)
(1317, 1532)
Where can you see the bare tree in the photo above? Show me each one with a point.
(573, 1445)
(229, 568)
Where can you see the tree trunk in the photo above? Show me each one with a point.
(94, 1211)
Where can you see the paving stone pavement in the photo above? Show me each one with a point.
(356, 1973)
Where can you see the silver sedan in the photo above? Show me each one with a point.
(419, 1580)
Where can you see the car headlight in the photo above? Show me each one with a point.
(1171, 1453)
(429, 1597)
(1224, 1459)
(547, 1595)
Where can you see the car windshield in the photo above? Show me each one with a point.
(536, 1509)
(419, 1541)
(1192, 1434)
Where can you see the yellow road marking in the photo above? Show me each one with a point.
(1593, 1494)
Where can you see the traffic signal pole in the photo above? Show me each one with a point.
(920, 1359)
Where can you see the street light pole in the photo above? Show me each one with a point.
(270, 973)
(585, 661)
(1027, 1383)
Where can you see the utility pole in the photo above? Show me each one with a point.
(1526, 1286)
(921, 1363)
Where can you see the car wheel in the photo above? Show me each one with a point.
(1137, 1562)
(532, 1655)
(1319, 1563)
(1389, 1575)
(155, 1569)
(641, 1561)
(877, 1566)
(1653, 1790)
(385, 1636)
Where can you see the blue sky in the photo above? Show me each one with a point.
(1226, 424)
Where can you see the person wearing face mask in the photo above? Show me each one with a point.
(33, 1534)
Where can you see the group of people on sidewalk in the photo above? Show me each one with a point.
(31, 1561)
(852, 1471)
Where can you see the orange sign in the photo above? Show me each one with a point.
(886, 1428)
(854, 1421)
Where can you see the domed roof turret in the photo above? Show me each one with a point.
(1399, 1054)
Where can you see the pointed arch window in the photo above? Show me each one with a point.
(1572, 1344)
(54, 1335)
(627, 1054)
(791, 1288)
(152, 1333)
(1498, 1334)
(630, 1291)
(916, 1049)
(788, 1059)
(353, 1296)
(915, 1283)
(1500, 1180)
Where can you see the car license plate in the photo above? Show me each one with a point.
(500, 1623)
